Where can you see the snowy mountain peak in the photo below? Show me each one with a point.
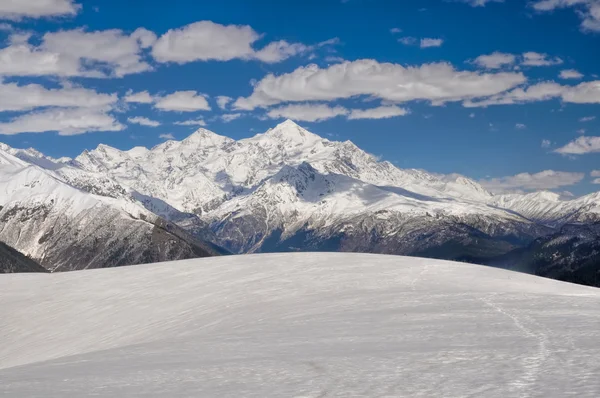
(290, 132)
(207, 138)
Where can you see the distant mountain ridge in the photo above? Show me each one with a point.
(289, 189)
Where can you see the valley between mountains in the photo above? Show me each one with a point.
(284, 190)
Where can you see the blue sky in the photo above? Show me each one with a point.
(505, 92)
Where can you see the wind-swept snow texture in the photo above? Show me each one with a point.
(298, 325)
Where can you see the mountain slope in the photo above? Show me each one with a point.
(65, 228)
(571, 254)
(304, 324)
(13, 261)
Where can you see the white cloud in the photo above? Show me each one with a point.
(206, 40)
(143, 121)
(223, 100)
(587, 119)
(168, 136)
(583, 93)
(110, 51)
(194, 122)
(538, 59)
(520, 126)
(142, 97)
(307, 112)
(581, 131)
(472, 115)
(395, 30)
(480, 3)
(333, 59)
(595, 173)
(426, 43)
(22, 98)
(408, 41)
(279, 50)
(495, 60)
(382, 112)
(17, 38)
(570, 74)
(25, 60)
(70, 121)
(230, 116)
(18, 9)
(436, 82)
(546, 143)
(547, 179)
(183, 101)
(580, 146)
(588, 11)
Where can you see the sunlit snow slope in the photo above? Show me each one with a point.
(304, 325)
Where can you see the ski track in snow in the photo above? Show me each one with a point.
(532, 364)
(298, 325)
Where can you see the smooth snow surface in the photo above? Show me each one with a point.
(298, 325)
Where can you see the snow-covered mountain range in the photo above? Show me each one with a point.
(66, 218)
(289, 189)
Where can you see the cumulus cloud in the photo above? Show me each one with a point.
(547, 179)
(167, 136)
(193, 122)
(588, 11)
(143, 121)
(19, 9)
(22, 59)
(520, 126)
(583, 93)
(570, 74)
(587, 119)
(142, 97)
(580, 146)
(22, 98)
(537, 59)
(279, 50)
(307, 112)
(69, 121)
(108, 53)
(595, 173)
(428, 42)
(206, 40)
(495, 60)
(395, 30)
(183, 101)
(223, 100)
(228, 117)
(436, 82)
(382, 112)
(110, 50)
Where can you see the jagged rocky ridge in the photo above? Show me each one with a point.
(289, 189)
